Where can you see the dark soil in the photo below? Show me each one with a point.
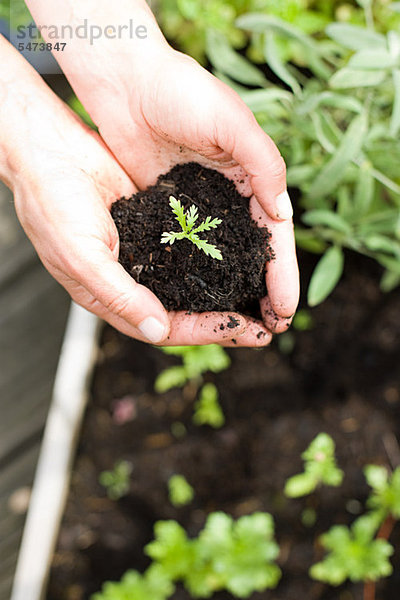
(182, 276)
(342, 377)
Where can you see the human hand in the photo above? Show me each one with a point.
(156, 107)
(178, 112)
(64, 181)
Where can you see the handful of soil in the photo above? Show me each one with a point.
(182, 276)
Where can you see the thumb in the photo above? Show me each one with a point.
(116, 297)
(249, 145)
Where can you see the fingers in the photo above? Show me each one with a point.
(239, 134)
(113, 295)
(271, 320)
(226, 329)
(282, 276)
(256, 335)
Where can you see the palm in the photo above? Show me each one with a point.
(185, 114)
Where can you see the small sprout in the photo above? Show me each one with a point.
(353, 553)
(319, 468)
(117, 481)
(154, 584)
(187, 221)
(236, 556)
(196, 361)
(207, 410)
(180, 491)
(385, 496)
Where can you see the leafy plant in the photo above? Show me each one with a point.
(196, 360)
(237, 556)
(154, 584)
(319, 468)
(353, 554)
(180, 491)
(207, 409)
(187, 22)
(117, 481)
(385, 497)
(361, 553)
(336, 118)
(187, 220)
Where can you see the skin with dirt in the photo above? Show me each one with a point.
(341, 377)
(182, 276)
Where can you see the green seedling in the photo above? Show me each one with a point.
(196, 360)
(385, 496)
(154, 584)
(207, 409)
(319, 468)
(236, 556)
(187, 220)
(353, 554)
(117, 481)
(180, 491)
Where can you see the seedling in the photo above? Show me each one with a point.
(319, 468)
(207, 410)
(237, 556)
(154, 584)
(353, 554)
(180, 491)
(385, 497)
(196, 360)
(116, 481)
(187, 220)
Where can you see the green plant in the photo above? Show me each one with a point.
(180, 491)
(207, 409)
(353, 554)
(187, 22)
(319, 468)
(336, 118)
(154, 584)
(361, 553)
(237, 556)
(117, 481)
(196, 360)
(187, 220)
(385, 496)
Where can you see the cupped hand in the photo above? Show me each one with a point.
(174, 111)
(63, 200)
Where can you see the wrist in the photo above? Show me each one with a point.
(104, 42)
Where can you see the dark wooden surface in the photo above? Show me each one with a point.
(33, 312)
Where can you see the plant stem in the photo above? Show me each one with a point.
(386, 528)
(384, 533)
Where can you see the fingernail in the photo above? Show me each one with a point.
(152, 329)
(284, 207)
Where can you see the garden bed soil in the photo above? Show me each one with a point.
(182, 276)
(342, 377)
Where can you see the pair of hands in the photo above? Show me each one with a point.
(65, 178)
